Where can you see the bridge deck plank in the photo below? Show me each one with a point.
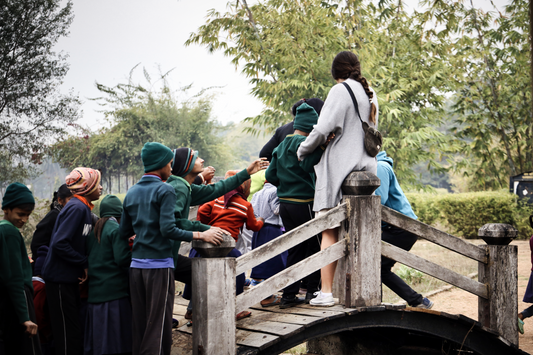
(262, 314)
(275, 328)
(254, 339)
(325, 314)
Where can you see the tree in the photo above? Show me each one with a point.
(32, 111)
(492, 102)
(416, 61)
(286, 49)
(138, 114)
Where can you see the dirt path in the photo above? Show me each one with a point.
(457, 301)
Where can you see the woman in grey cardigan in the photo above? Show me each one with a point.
(345, 153)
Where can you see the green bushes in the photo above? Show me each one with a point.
(463, 214)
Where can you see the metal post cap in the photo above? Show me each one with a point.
(497, 233)
(360, 183)
(208, 250)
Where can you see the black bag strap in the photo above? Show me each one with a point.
(354, 100)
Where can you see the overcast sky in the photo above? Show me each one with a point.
(109, 37)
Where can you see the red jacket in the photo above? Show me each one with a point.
(232, 219)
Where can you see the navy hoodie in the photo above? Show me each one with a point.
(66, 257)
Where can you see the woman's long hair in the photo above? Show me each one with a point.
(346, 65)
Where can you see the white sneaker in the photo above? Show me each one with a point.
(322, 301)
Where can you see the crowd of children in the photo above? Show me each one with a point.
(126, 261)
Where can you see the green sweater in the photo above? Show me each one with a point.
(295, 180)
(15, 269)
(109, 263)
(148, 214)
(192, 195)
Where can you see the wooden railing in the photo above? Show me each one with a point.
(358, 276)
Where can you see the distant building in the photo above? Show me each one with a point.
(522, 185)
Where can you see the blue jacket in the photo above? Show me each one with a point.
(67, 257)
(390, 191)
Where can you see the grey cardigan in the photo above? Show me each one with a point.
(346, 152)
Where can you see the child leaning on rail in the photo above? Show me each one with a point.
(528, 297)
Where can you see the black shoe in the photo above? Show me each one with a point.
(290, 302)
(309, 296)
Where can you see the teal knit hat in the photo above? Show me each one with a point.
(306, 117)
(111, 206)
(155, 156)
(17, 194)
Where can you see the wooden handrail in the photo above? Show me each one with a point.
(290, 275)
(435, 270)
(290, 239)
(434, 235)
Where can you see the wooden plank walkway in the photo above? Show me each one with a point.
(272, 327)
(269, 325)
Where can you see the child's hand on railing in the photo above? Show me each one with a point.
(213, 235)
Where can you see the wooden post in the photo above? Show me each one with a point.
(213, 299)
(500, 311)
(358, 275)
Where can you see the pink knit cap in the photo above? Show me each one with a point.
(83, 181)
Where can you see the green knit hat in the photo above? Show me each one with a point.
(111, 206)
(17, 194)
(155, 156)
(306, 117)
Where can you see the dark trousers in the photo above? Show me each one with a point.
(294, 215)
(183, 270)
(152, 302)
(64, 306)
(405, 240)
(16, 341)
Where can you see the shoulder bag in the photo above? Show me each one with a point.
(373, 139)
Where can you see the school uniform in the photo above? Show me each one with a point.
(295, 182)
(148, 213)
(63, 267)
(16, 293)
(108, 325)
(188, 195)
(266, 205)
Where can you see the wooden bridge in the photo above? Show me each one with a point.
(360, 323)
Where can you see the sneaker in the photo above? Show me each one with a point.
(254, 282)
(520, 326)
(309, 296)
(426, 304)
(322, 301)
(290, 302)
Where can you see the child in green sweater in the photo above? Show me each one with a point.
(18, 321)
(295, 181)
(108, 325)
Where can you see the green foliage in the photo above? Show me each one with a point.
(32, 111)
(137, 115)
(492, 102)
(463, 214)
(414, 60)
(409, 275)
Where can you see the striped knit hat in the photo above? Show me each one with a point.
(83, 181)
(184, 159)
